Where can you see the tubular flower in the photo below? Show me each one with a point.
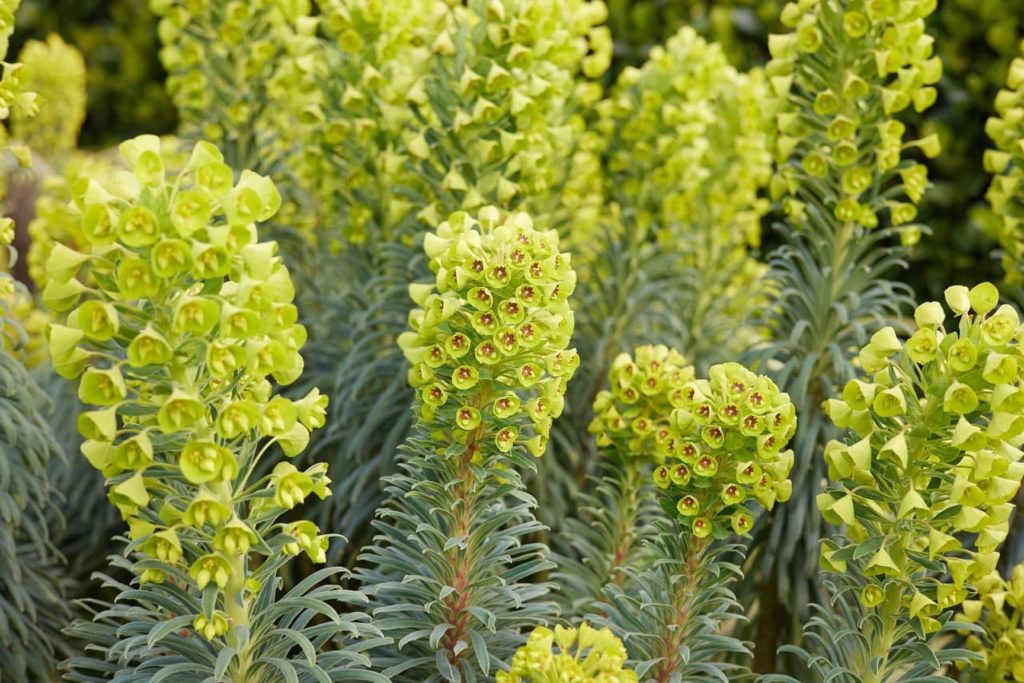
(845, 136)
(934, 457)
(570, 655)
(503, 370)
(195, 345)
(715, 443)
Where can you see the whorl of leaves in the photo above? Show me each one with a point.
(846, 643)
(672, 612)
(608, 533)
(145, 634)
(410, 577)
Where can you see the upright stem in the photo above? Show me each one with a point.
(881, 641)
(464, 494)
(238, 616)
(234, 598)
(676, 627)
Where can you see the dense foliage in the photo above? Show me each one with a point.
(514, 340)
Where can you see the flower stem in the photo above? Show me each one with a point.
(234, 597)
(682, 602)
(880, 641)
(464, 494)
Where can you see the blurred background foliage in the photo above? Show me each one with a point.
(977, 39)
(125, 79)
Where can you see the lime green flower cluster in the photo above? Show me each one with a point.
(55, 71)
(998, 609)
(56, 219)
(468, 105)
(687, 151)
(598, 657)
(178, 317)
(841, 77)
(689, 143)
(512, 106)
(717, 442)
(631, 418)
(726, 446)
(233, 72)
(938, 418)
(355, 136)
(488, 345)
(1006, 194)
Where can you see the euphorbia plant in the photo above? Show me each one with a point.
(840, 81)
(923, 488)
(718, 446)
(451, 568)
(614, 520)
(180, 319)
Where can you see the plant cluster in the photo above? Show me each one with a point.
(550, 388)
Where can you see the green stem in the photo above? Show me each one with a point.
(234, 598)
(881, 640)
(238, 616)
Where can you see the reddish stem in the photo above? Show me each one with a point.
(675, 629)
(459, 558)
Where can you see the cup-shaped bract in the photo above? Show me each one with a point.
(489, 343)
(934, 462)
(178, 355)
